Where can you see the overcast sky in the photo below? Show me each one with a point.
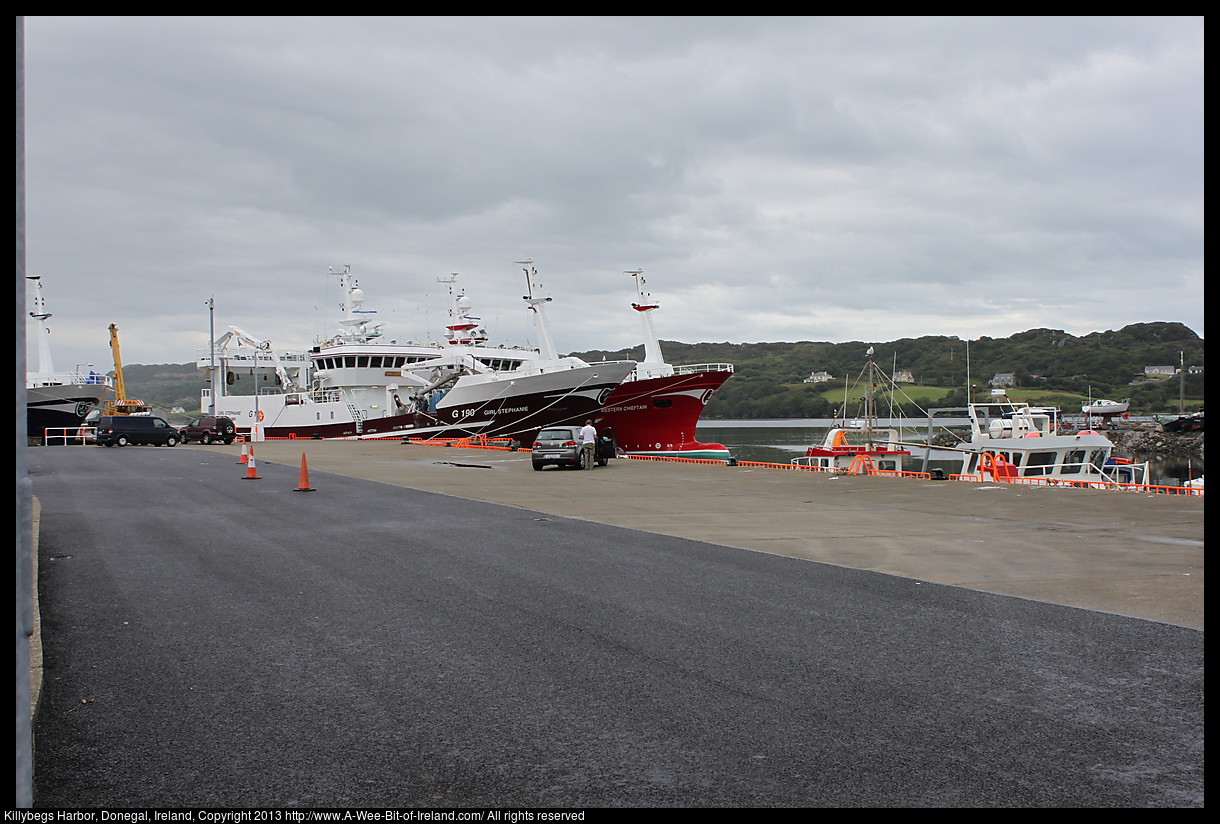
(777, 179)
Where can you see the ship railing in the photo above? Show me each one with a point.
(290, 398)
(312, 396)
(1118, 476)
(322, 396)
(72, 378)
(703, 367)
(805, 462)
(1126, 473)
(203, 357)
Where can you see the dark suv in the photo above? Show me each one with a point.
(208, 429)
(120, 430)
(560, 445)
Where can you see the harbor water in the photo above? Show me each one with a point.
(781, 440)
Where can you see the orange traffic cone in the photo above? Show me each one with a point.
(303, 484)
(244, 458)
(251, 469)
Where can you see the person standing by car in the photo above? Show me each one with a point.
(588, 445)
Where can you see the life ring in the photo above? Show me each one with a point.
(260, 416)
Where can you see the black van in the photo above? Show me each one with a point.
(121, 430)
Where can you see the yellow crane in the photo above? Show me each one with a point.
(121, 405)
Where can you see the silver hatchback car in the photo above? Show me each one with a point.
(560, 446)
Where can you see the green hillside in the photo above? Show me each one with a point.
(1049, 366)
(165, 386)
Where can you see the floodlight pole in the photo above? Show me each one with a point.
(212, 352)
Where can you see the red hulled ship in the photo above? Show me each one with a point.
(655, 410)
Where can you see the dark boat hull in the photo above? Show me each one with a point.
(60, 406)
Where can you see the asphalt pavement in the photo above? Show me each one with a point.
(211, 640)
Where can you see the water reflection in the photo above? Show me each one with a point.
(779, 441)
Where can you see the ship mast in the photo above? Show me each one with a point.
(869, 409)
(536, 301)
(356, 328)
(41, 315)
(646, 306)
(463, 327)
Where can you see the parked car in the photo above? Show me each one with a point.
(209, 428)
(560, 446)
(120, 430)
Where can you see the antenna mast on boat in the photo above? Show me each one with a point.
(646, 306)
(463, 328)
(869, 410)
(537, 302)
(41, 315)
(969, 390)
(356, 328)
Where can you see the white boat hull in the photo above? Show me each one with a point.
(1105, 408)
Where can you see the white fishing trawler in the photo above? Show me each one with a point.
(354, 386)
(54, 399)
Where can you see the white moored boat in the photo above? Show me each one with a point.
(1105, 408)
(1010, 440)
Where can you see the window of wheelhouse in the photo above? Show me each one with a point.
(1041, 463)
(1073, 462)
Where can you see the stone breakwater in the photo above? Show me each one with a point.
(1162, 444)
